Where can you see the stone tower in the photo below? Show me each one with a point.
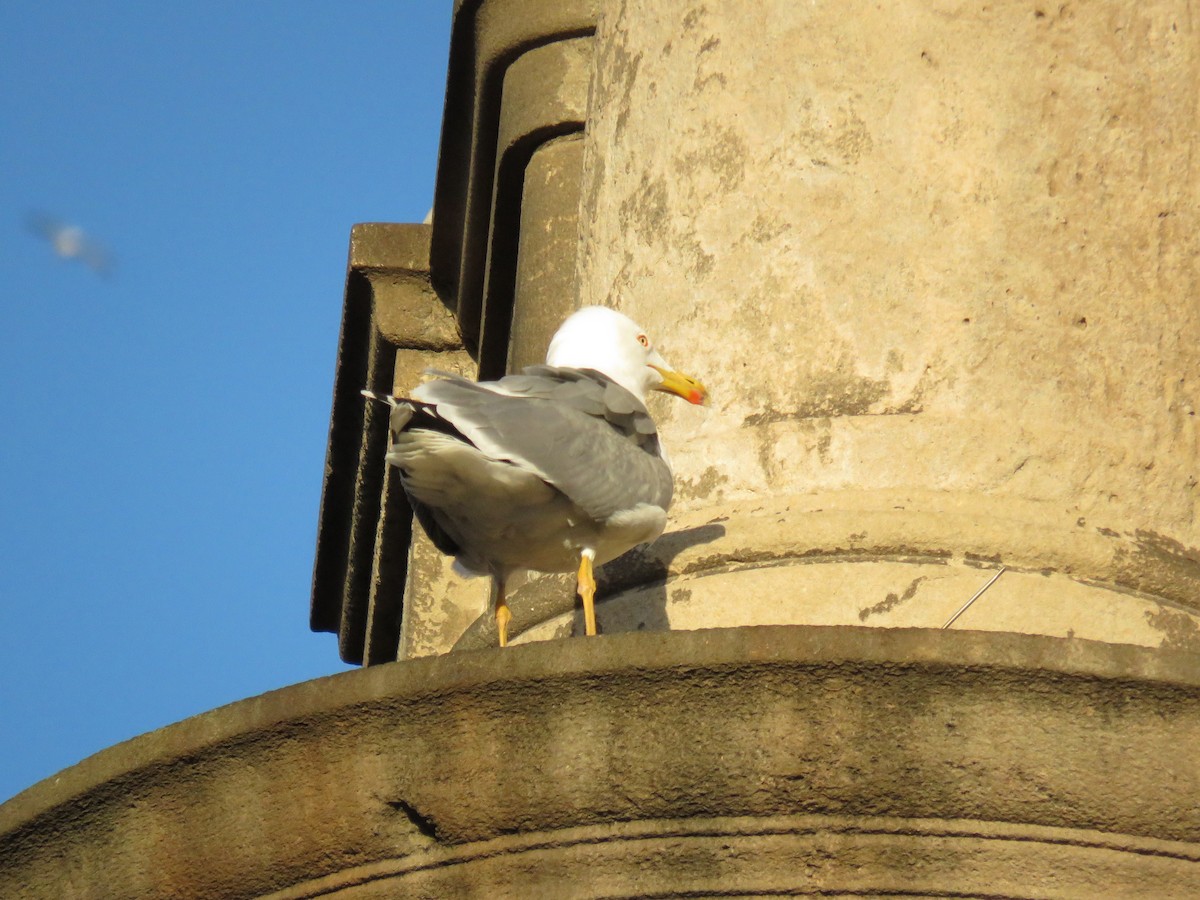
(938, 264)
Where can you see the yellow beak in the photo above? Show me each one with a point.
(681, 385)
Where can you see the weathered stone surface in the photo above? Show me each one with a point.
(938, 264)
(929, 256)
(406, 312)
(917, 556)
(845, 760)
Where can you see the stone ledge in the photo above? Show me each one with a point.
(783, 855)
(380, 766)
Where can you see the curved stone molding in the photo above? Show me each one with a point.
(786, 759)
(544, 99)
(887, 559)
(545, 291)
(782, 856)
(488, 37)
(391, 321)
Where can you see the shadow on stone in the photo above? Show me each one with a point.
(649, 567)
(544, 597)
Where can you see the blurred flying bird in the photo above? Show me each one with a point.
(71, 242)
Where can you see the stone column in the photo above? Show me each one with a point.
(938, 264)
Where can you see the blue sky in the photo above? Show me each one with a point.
(164, 429)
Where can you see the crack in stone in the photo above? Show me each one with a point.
(426, 825)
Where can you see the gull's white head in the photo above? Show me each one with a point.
(603, 339)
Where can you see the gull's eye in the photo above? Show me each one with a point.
(643, 340)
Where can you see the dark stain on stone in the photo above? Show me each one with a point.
(723, 154)
(838, 394)
(980, 558)
(853, 138)
(701, 263)
(891, 601)
(1165, 549)
(645, 210)
(699, 84)
(624, 68)
(824, 442)
(1167, 561)
(764, 229)
(766, 459)
(681, 595)
(702, 488)
(1108, 532)
(1179, 630)
(752, 559)
(931, 379)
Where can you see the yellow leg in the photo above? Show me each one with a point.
(503, 614)
(587, 590)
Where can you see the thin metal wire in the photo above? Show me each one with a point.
(962, 609)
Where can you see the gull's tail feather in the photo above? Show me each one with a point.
(391, 401)
(401, 414)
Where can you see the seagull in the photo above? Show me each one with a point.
(556, 469)
(71, 242)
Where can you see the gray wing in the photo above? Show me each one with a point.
(580, 432)
(591, 392)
